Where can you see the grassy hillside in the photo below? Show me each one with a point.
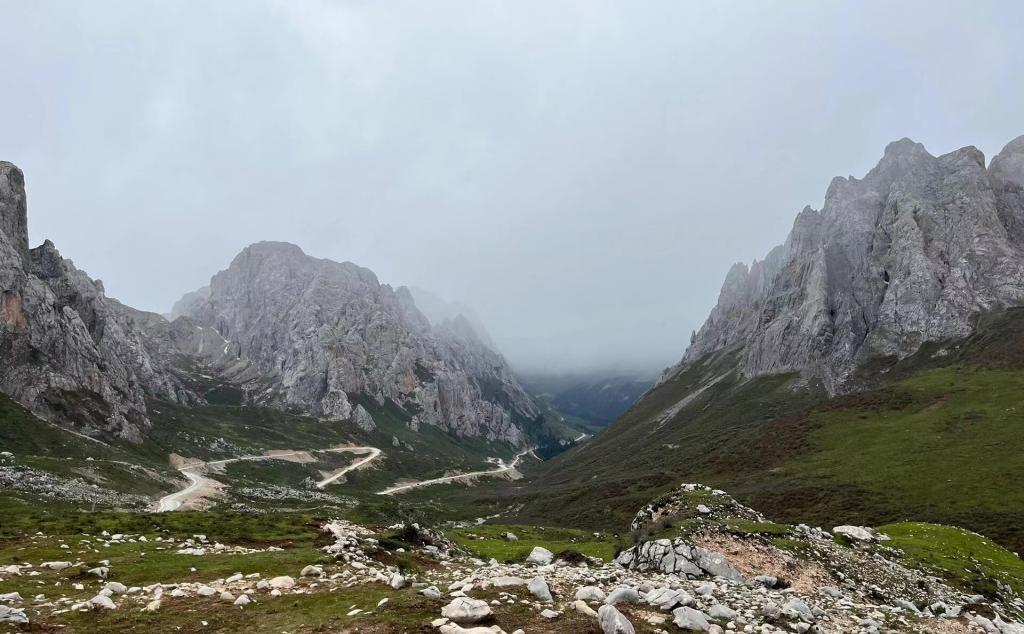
(938, 438)
(48, 458)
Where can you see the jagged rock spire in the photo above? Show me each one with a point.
(913, 252)
(13, 210)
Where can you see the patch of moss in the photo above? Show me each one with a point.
(965, 559)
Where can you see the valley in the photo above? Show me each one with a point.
(299, 447)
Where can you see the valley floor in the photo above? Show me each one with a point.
(698, 561)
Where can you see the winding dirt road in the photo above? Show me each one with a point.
(200, 486)
(502, 468)
(374, 452)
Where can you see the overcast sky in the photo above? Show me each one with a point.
(581, 173)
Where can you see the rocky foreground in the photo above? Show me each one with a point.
(701, 580)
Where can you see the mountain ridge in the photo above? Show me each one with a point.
(278, 327)
(912, 252)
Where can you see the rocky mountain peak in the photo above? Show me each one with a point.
(321, 333)
(70, 354)
(913, 252)
(1006, 173)
(13, 207)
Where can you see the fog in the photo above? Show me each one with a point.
(582, 174)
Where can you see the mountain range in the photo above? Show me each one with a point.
(869, 372)
(277, 329)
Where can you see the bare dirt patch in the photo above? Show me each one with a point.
(754, 557)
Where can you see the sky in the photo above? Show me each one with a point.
(581, 173)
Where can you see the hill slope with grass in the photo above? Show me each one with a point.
(870, 370)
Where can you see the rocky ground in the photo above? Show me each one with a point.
(76, 490)
(684, 577)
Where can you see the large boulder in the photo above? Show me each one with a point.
(613, 622)
(623, 594)
(660, 555)
(855, 533)
(590, 593)
(667, 599)
(540, 556)
(539, 588)
(716, 565)
(283, 582)
(466, 610)
(691, 620)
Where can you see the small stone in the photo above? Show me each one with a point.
(581, 606)
(101, 601)
(115, 587)
(431, 592)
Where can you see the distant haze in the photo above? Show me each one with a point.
(581, 174)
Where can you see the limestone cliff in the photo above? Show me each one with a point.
(911, 253)
(68, 352)
(310, 334)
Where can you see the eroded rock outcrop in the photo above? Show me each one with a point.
(70, 353)
(911, 253)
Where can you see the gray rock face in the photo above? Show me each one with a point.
(663, 555)
(13, 209)
(69, 353)
(911, 253)
(309, 333)
(187, 303)
(678, 558)
(363, 419)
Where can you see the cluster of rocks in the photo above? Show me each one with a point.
(47, 485)
(280, 493)
(704, 583)
(710, 504)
